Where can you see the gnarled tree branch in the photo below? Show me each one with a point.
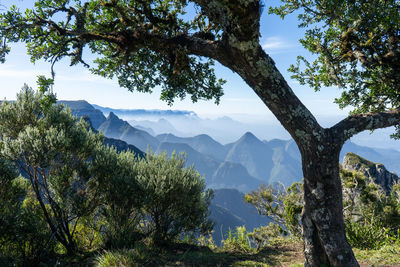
(355, 124)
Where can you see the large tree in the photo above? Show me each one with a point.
(148, 43)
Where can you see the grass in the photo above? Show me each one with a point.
(388, 255)
(281, 253)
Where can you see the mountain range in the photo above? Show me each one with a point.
(243, 164)
(231, 169)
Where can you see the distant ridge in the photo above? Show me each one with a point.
(144, 112)
(83, 108)
(270, 161)
(202, 143)
(116, 128)
(217, 174)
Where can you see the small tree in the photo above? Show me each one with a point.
(53, 150)
(121, 197)
(281, 205)
(176, 200)
(25, 238)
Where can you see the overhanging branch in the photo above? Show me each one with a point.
(355, 124)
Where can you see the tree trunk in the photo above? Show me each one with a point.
(325, 242)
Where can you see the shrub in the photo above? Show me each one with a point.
(371, 215)
(25, 238)
(175, 198)
(116, 258)
(238, 241)
(282, 205)
(54, 150)
(364, 236)
(121, 198)
(261, 236)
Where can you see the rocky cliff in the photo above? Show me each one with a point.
(375, 172)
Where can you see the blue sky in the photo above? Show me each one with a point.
(279, 39)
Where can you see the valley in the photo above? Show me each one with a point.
(231, 169)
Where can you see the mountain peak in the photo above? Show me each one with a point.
(112, 116)
(249, 137)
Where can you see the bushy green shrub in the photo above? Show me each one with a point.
(122, 257)
(154, 198)
(372, 217)
(122, 198)
(175, 198)
(282, 205)
(79, 195)
(25, 238)
(365, 236)
(54, 150)
(261, 236)
(237, 242)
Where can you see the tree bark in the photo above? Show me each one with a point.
(324, 235)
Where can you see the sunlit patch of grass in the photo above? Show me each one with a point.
(388, 254)
(251, 264)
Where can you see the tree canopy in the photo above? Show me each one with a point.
(357, 44)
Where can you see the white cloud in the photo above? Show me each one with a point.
(276, 44)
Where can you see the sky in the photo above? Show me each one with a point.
(279, 38)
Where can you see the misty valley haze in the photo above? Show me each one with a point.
(259, 160)
(230, 168)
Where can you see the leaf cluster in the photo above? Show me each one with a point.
(141, 43)
(25, 239)
(282, 205)
(372, 216)
(356, 46)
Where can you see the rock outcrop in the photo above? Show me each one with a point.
(374, 172)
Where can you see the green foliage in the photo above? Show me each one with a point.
(365, 236)
(387, 255)
(206, 241)
(372, 217)
(282, 206)
(135, 64)
(356, 45)
(237, 241)
(175, 198)
(87, 235)
(80, 196)
(121, 196)
(54, 150)
(122, 257)
(260, 237)
(25, 238)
